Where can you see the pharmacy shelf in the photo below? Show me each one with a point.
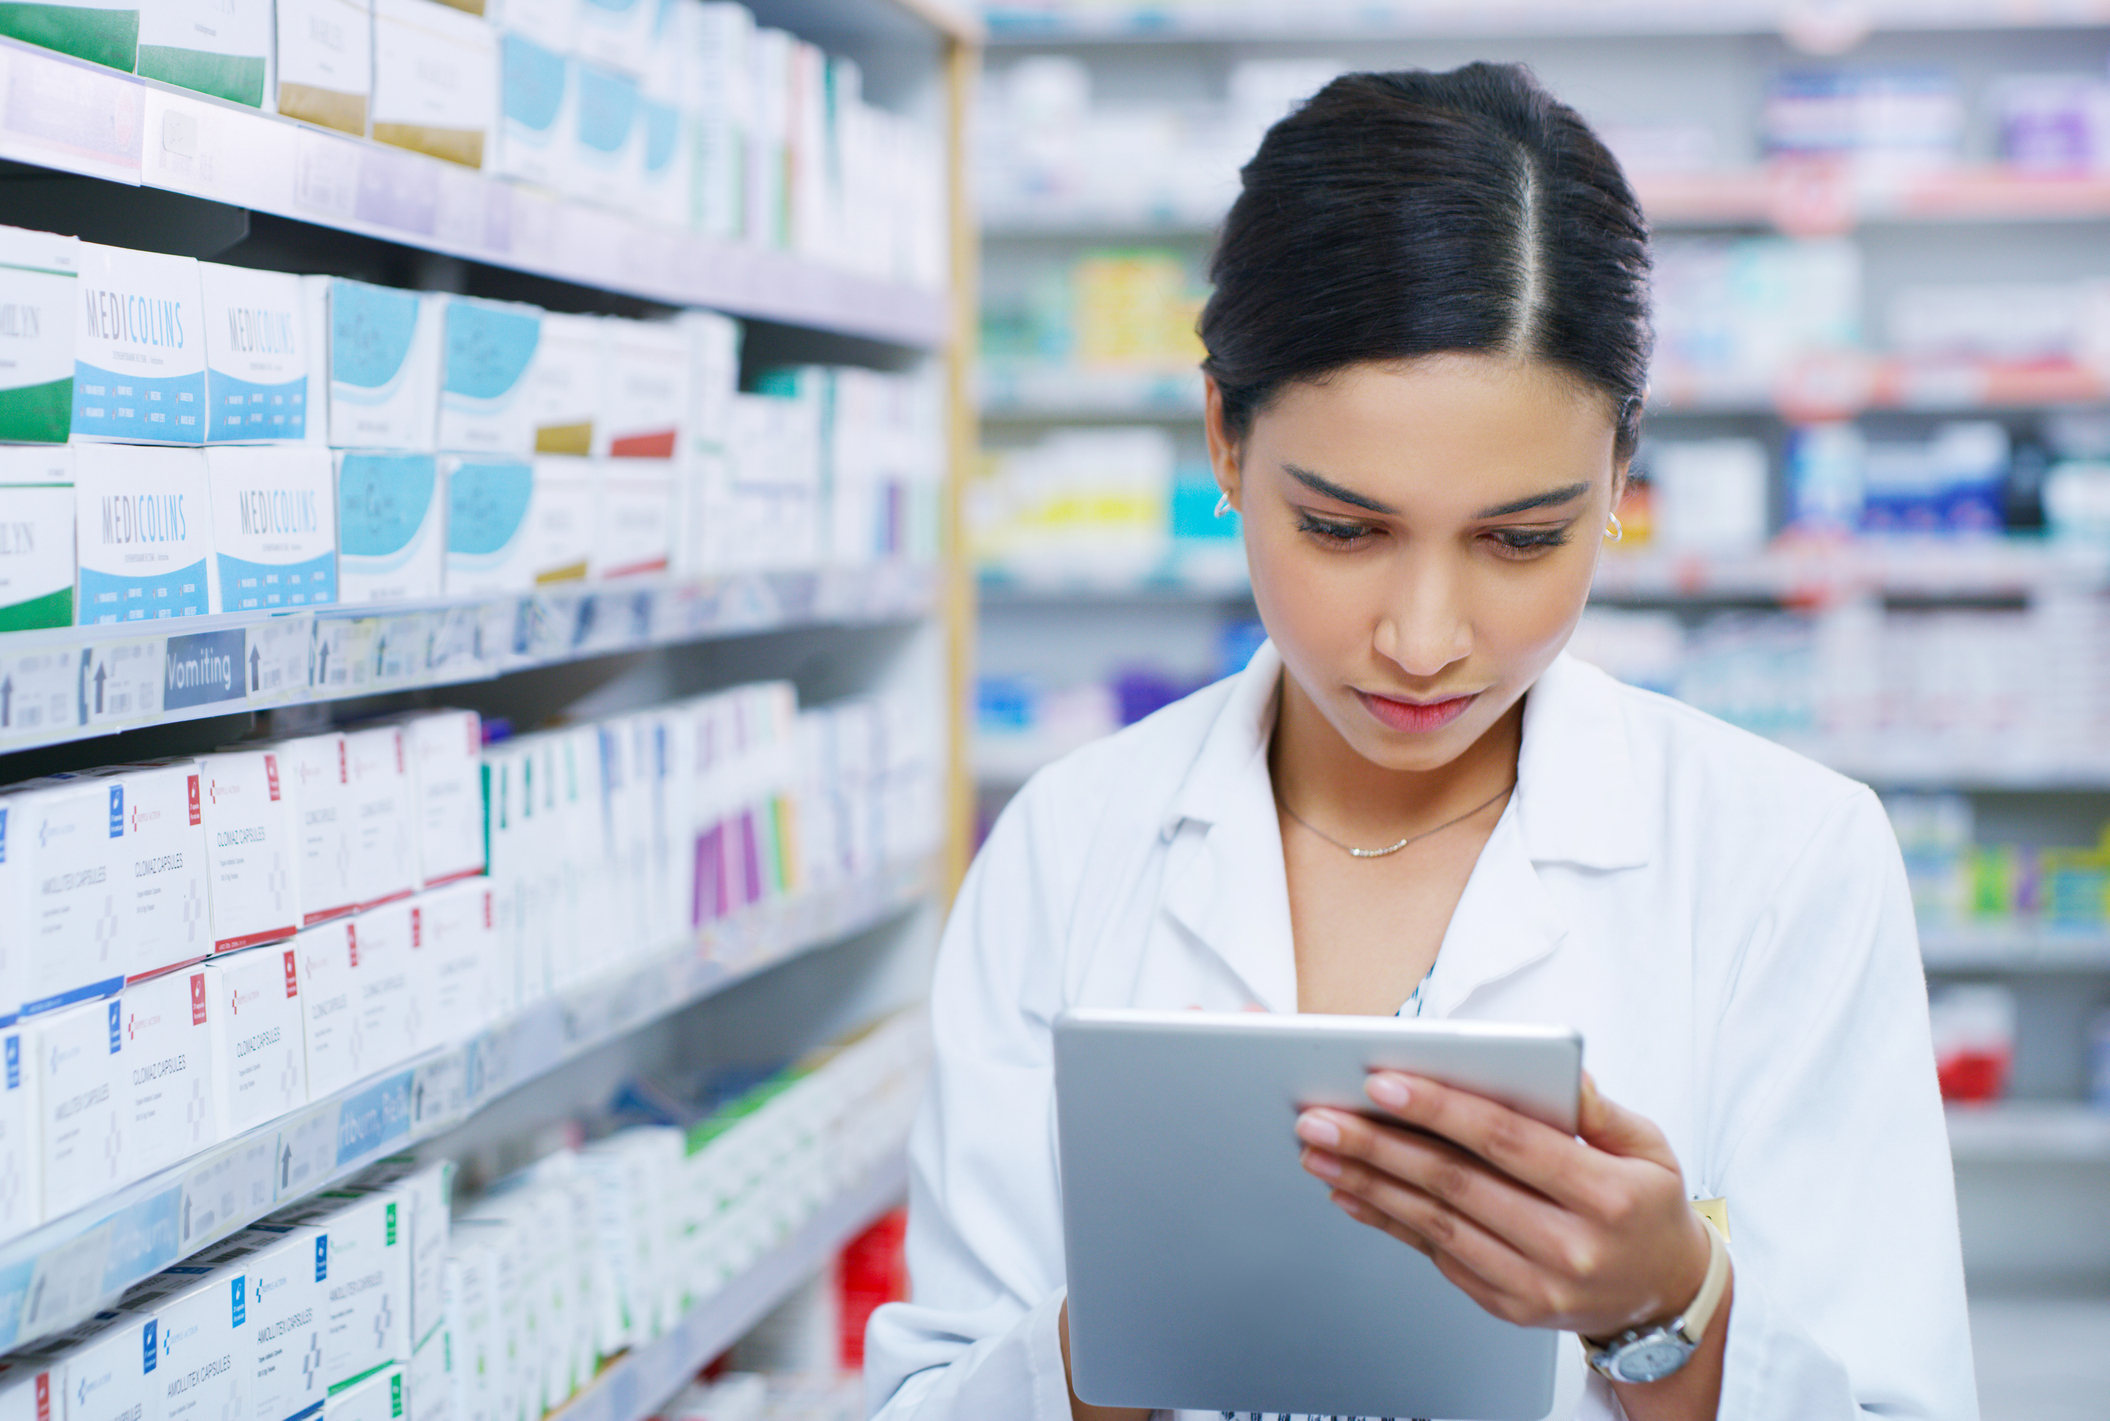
(636, 1385)
(1069, 22)
(56, 1275)
(71, 683)
(1214, 572)
(80, 118)
(1804, 197)
(2015, 947)
(2029, 1132)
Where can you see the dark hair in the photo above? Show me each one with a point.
(1405, 214)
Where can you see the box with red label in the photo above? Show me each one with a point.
(251, 849)
(259, 1051)
(393, 1022)
(164, 920)
(383, 823)
(457, 959)
(318, 771)
(25, 1391)
(328, 963)
(446, 761)
(169, 1106)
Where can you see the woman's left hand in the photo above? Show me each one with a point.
(1590, 1235)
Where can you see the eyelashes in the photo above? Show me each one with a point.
(1509, 542)
(1525, 540)
(1326, 531)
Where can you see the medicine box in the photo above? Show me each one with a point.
(64, 901)
(143, 533)
(318, 769)
(538, 96)
(666, 161)
(326, 62)
(645, 389)
(164, 901)
(79, 1066)
(328, 967)
(36, 465)
(565, 383)
(634, 518)
(615, 33)
(379, 1398)
(259, 1052)
(553, 24)
(393, 1018)
(36, 556)
(457, 966)
(383, 814)
(287, 1271)
(99, 31)
(138, 348)
(252, 849)
(485, 402)
(366, 1304)
(424, 1191)
(513, 526)
(606, 158)
(21, 1160)
(446, 757)
(217, 47)
(391, 527)
(207, 1367)
(110, 1376)
(384, 364)
(429, 1381)
(38, 290)
(274, 528)
(168, 1075)
(561, 520)
(472, 1334)
(256, 355)
(435, 80)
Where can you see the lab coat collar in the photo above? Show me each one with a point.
(1576, 802)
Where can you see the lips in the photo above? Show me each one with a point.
(1415, 717)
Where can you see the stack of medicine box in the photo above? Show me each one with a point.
(156, 997)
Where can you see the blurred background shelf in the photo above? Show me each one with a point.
(2029, 1131)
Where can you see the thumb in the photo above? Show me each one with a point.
(1618, 1131)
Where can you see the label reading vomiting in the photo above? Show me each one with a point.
(205, 668)
(139, 348)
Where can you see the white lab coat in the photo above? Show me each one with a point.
(1726, 922)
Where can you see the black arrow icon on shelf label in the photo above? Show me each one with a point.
(100, 674)
(255, 659)
(7, 701)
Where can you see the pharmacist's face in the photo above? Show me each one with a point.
(1422, 537)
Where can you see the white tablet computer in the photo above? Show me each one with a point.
(1209, 1272)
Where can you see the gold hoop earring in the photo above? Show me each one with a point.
(1613, 532)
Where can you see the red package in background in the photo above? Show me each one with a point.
(872, 1271)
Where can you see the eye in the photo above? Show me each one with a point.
(1331, 533)
(1525, 542)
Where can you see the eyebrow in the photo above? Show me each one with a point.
(1327, 488)
(1547, 499)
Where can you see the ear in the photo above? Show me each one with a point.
(1224, 454)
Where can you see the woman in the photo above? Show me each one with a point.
(1427, 354)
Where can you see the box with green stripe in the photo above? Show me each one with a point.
(99, 31)
(38, 285)
(217, 47)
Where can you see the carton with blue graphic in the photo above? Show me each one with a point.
(512, 525)
(20, 1197)
(80, 1063)
(608, 137)
(537, 95)
(138, 348)
(108, 1376)
(366, 1318)
(207, 1370)
(391, 527)
(256, 355)
(274, 528)
(142, 533)
(288, 1270)
(616, 33)
(485, 401)
(384, 363)
(61, 896)
(39, 281)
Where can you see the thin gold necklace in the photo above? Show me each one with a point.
(1392, 848)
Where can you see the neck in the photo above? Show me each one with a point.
(1324, 778)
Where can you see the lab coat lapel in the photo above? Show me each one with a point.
(1225, 884)
(1504, 921)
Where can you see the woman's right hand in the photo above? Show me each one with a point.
(1084, 1410)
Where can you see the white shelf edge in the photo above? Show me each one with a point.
(58, 1273)
(84, 119)
(336, 652)
(2029, 1132)
(638, 1383)
(2017, 948)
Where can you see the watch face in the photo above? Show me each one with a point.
(1649, 1359)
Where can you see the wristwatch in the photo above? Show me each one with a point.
(1649, 1354)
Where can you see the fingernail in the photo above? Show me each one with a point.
(1318, 1130)
(1323, 1165)
(1387, 1090)
(1349, 1204)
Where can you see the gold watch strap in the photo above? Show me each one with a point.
(1692, 1325)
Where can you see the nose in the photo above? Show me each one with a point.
(1426, 627)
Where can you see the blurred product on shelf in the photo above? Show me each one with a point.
(1958, 882)
(2099, 1061)
(2054, 123)
(1736, 316)
(1705, 495)
(1974, 1040)
(1885, 117)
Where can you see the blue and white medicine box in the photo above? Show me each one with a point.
(143, 533)
(488, 502)
(391, 527)
(384, 363)
(138, 348)
(485, 404)
(256, 358)
(274, 516)
(537, 93)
